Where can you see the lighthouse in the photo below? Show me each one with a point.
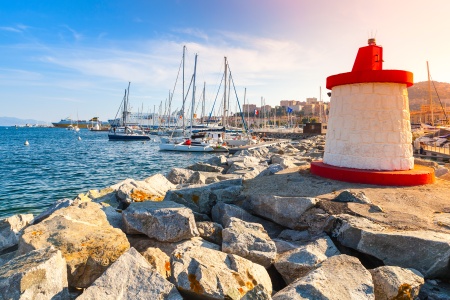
(369, 136)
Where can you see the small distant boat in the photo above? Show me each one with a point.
(190, 146)
(67, 122)
(123, 131)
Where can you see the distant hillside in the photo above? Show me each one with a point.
(10, 121)
(418, 94)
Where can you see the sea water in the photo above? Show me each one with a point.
(59, 163)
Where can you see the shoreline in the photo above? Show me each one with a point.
(305, 226)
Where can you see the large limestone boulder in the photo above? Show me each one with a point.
(339, 277)
(205, 167)
(426, 251)
(10, 229)
(270, 170)
(298, 262)
(202, 199)
(54, 207)
(165, 221)
(179, 175)
(86, 240)
(246, 160)
(285, 211)
(222, 213)
(131, 277)
(142, 243)
(159, 260)
(185, 177)
(39, 274)
(250, 241)
(201, 273)
(286, 162)
(153, 188)
(210, 231)
(393, 282)
(218, 160)
(246, 171)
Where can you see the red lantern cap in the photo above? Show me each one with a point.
(368, 67)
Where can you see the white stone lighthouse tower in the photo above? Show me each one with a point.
(369, 132)
(369, 125)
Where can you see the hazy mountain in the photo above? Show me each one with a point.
(419, 94)
(10, 121)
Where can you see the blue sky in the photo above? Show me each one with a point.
(75, 58)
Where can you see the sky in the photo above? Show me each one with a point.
(68, 58)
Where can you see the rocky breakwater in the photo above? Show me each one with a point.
(253, 225)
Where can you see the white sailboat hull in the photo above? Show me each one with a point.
(185, 148)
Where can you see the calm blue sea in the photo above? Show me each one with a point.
(57, 165)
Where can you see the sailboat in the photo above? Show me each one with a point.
(186, 144)
(122, 131)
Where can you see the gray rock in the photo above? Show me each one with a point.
(39, 274)
(440, 171)
(393, 282)
(285, 211)
(204, 167)
(316, 221)
(114, 216)
(222, 212)
(218, 160)
(297, 263)
(10, 229)
(348, 196)
(141, 243)
(339, 277)
(246, 160)
(249, 240)
(270, 170)
(434, 290)
(426, 251)
(4, 258)
(246, 171)
(131, 277)
(202, 199)
(210, 231)
(286, 162)
(165, 221)
(179, 175)
(159, 260)
(202, 273)
(54, 207)
(294, 235)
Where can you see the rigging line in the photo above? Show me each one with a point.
(239, 105)
(218, 90)
(440, 102)
(120, 106)
(175, 85)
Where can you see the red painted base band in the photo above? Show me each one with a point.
(420, 175)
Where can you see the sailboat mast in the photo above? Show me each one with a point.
(243, 112)
(193, 92)
(431, 98)
(203, 104)
(225, 94)
(184, 50)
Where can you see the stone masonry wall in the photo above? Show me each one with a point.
(369, 127)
